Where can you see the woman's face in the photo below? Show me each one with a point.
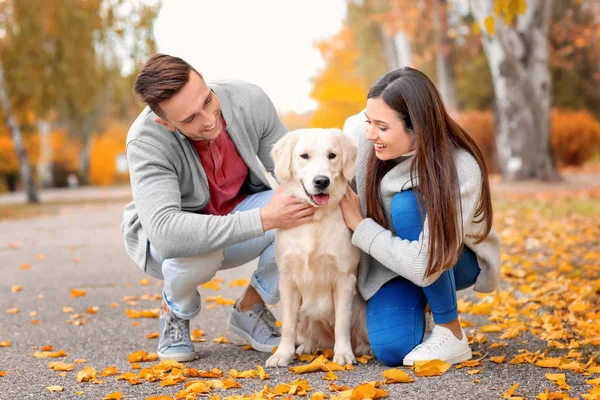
(386, 130)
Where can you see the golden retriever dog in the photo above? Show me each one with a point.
(317, 261)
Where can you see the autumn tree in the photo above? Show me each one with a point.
(517, 52)
(339, 89)
(62, 57)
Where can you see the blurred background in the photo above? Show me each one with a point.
(522, 76)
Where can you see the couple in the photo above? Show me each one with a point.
(422, 216)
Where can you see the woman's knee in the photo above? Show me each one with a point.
(391, 347)
(406, 215)
(396, 320)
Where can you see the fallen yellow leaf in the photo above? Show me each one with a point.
(431, 368)
(78, 292)
(54, 388)
(221, 339)
(114, 396)
(396, 376)
(16, 288)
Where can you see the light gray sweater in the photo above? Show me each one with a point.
(384, 256)
(169, 185)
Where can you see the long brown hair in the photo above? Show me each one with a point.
(437, 136)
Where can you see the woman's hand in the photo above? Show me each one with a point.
(350, 205)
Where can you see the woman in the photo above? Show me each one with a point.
(423, 186)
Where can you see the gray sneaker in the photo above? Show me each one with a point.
(175, 342)
(257, 326)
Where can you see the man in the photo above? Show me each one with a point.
(201, 201)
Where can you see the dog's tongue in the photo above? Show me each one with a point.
(320, 199)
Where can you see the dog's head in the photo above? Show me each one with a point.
(315, 164)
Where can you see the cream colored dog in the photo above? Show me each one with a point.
(317, 261)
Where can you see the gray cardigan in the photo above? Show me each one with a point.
(384, 256)
(169, 185)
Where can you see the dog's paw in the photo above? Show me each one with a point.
(279, 359)
(344, 357)
(363, 349)
(306, 348)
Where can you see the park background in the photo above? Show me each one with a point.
(522, 77)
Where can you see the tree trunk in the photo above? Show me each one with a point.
(446, 81)
(44, 167)
(389, 49)
(84, 156)
(26, 177)
(518, 60)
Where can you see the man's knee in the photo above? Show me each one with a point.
(194, 270)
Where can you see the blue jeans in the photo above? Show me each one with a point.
(396, 313)
(182, 276)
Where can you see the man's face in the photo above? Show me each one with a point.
(195, 111)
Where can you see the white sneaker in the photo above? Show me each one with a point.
(441, 345)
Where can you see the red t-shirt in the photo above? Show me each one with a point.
(226, 172)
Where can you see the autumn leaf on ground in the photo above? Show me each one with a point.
(25, 267)
(49, 354)
(364, 359)
(87, 374)
(220, 300)
(509, 393)
(214, 373)
(134, 314)
(396, 376)
(221, 339)
(12, 311)
(78, 292)
(16, 288)
(559, 379)
(262, 375)
(2, 373)
(54, 388)
(145, 282)
(213, 285)
(114, 396)
(233, 373)
(141, 356)
(468, 364)
(367, 391)
(153, 335)
(60, 366)
(431, 368)
(112, 370)
(299, 387)
(197, 335)
(5, 344)
(498, 359)
(239, 282)
(330, 376)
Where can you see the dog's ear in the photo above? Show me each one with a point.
(282, 157)
(348, 154)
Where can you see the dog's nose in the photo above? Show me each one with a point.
(321, 182)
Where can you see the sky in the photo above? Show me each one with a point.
(267, 42)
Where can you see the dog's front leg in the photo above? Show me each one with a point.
(344, 291)
(290, 301)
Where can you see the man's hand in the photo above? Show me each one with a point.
(350, 205)
(283, 211)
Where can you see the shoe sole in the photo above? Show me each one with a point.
(467, 355)
(265, 348)
(179, 357)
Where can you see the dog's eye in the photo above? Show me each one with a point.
(331, 156)
(304, 155)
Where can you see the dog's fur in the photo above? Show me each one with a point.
(317, 261)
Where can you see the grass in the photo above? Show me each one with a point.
(20, 211)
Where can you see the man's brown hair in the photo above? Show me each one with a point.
(161, 78)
